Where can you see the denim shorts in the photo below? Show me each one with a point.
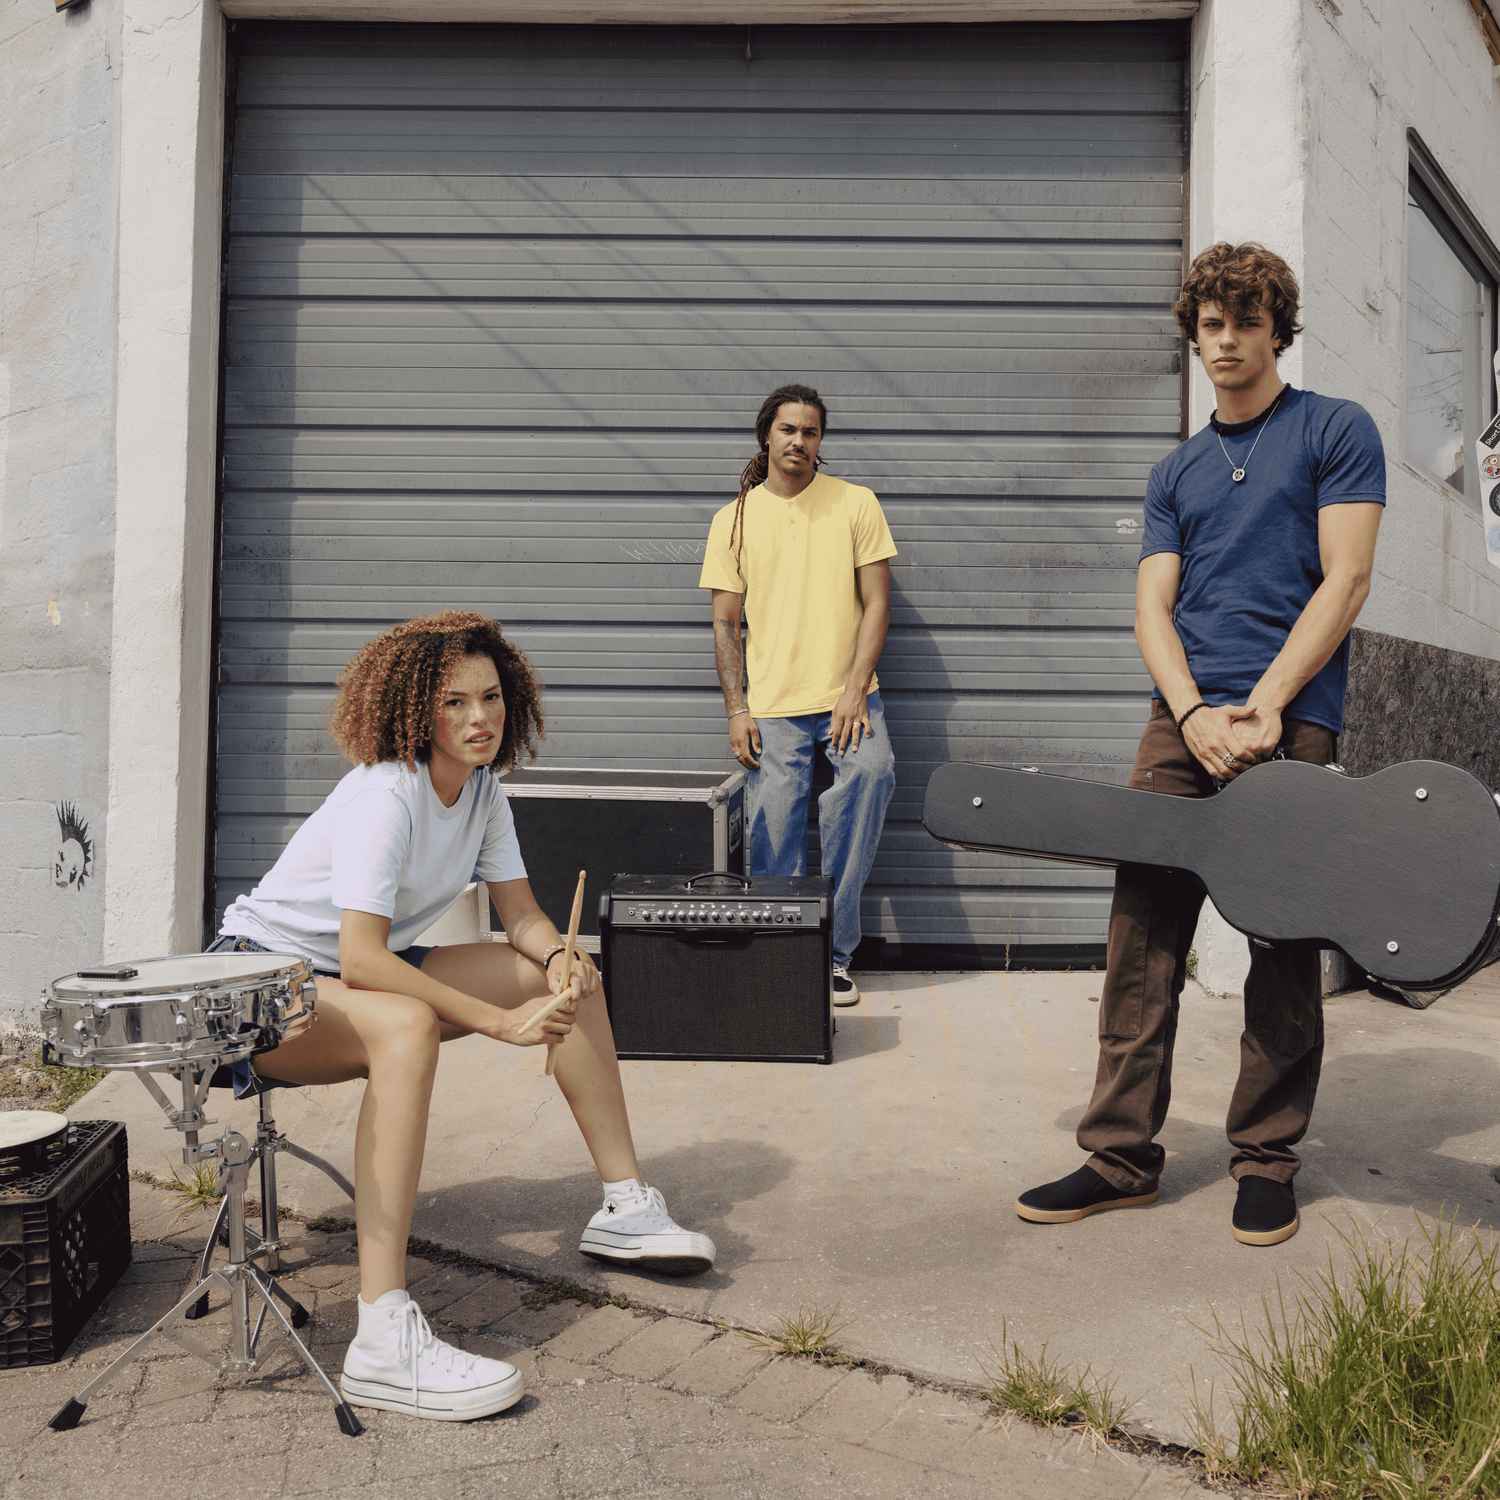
(240, 1076)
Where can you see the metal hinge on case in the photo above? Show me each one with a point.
(1336, 768)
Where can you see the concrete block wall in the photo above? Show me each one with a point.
(1372, 70)
(59, 88)
(1301, 111)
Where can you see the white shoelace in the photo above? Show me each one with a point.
(417, 1339)
(648, 1200)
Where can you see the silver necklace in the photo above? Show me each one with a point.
(1237, 471)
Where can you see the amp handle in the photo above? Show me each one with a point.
(716, 875)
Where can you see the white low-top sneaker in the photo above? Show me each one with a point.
(635, 1228)
(396, 1362)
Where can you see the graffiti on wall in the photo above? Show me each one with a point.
(75, 849)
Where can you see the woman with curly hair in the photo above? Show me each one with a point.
(428, 711)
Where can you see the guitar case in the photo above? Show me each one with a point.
(1399, 870)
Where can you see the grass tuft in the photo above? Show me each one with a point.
(26, 1082)
(1043, 1390)
(808, 1333)
(199, 1189)
(1383, 1382)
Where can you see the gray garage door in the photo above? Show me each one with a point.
(501, 306)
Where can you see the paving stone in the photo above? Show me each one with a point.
(1049, 1464)
(787, 1387)
(332, 1275)
(404, 1446)
(554, 1371)
(858, 1407)
(169, 1269)
(658, 1348)
(588, 1470)
(537, 1325)
(595, 1333)
(719, 1367)
(534, 1479)
(441, 1286)
(341, 1462)
(495, 1300)
(929, 1428)
(173, 1391)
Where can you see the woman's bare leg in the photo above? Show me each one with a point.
(587, 1071)
(391, 1040)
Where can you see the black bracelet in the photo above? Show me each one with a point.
(1201, 703)
(552, 953)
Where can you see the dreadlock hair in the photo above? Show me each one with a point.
(755, 471)
(1241, 279)
(387, 695)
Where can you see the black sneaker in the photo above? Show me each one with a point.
(842, 989)
(1076, 1196)
(1265, 1212)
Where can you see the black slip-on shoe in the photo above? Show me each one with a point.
(1265, 1212)
(1076, 1196)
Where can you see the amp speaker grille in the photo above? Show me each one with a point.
(760, 996)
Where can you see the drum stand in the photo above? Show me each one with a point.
(265, 1243)
(241, 1277)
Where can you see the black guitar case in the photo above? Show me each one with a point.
(1400, 870)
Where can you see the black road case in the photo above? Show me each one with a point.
(677, 822)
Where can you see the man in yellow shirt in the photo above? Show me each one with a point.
(806, 558)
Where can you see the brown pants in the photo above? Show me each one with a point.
(1151, 927)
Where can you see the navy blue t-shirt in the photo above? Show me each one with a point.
(1250, 550)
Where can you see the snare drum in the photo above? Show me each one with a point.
(162, 1013)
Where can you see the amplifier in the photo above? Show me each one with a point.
(718, 967)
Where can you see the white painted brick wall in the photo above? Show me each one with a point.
(1372, 70)
(1363, 72)
(58, 92)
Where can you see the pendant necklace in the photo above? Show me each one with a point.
(1237, 471)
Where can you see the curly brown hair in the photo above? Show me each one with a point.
(388, 692)
(1241, 278)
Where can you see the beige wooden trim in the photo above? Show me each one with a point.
(1489, 24)
(712, 12)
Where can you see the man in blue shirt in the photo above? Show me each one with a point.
(1259, 543)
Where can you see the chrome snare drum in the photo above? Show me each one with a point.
(166, 1013)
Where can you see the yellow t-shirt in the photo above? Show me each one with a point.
(796, 570)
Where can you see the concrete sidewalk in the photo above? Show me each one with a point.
(619, 1403)
(883, 1186)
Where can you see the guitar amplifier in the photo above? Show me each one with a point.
(718, 967)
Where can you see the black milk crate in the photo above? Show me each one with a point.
(64, 1242)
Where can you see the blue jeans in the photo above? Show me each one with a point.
(851, 812)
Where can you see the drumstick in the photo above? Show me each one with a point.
(568, 950)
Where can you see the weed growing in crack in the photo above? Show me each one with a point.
(808, 1333)
(1044, 1390)
(1382, 1381)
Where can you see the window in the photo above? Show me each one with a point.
(1451, 274)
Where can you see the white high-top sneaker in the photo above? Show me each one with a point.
(398, 1363)
(635, 1228)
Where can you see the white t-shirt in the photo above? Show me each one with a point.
(384, 843)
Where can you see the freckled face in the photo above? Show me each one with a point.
(469, 719)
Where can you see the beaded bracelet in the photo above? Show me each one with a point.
(1201, 703)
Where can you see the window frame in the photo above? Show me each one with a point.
(1433, 194)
